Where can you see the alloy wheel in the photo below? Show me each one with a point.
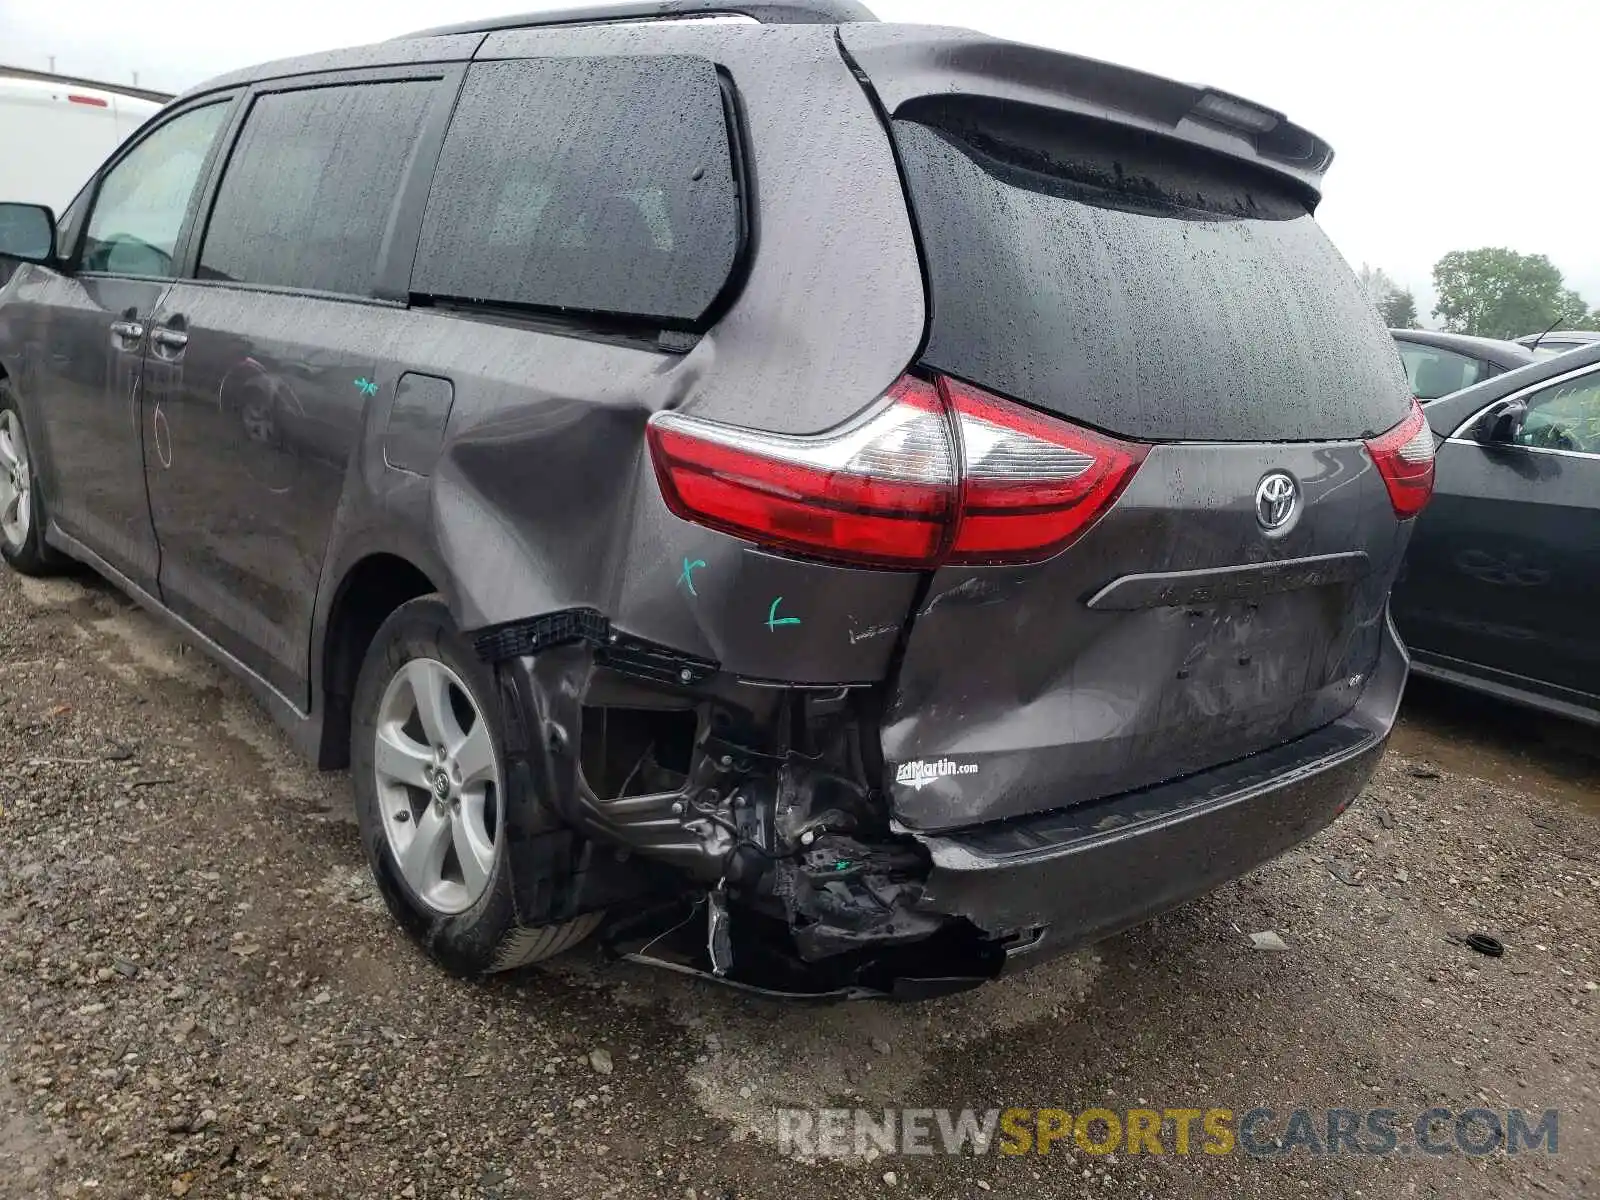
(439, 785)
(16, 483)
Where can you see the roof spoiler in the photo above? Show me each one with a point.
(908, 62)
(767, 12)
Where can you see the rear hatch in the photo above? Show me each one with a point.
(1137, 259)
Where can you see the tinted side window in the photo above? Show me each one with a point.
(1434, 372)
(306, 195)
(1565, 417)
(595, 185)
(133, 229)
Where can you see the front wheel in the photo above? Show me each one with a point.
(429, 779)
(22, 541)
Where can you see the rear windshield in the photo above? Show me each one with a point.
(1134, 284)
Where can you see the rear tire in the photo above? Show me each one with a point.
(22, 515)
(427, 767)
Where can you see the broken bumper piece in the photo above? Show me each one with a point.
(1054, 883)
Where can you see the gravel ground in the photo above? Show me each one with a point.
(200, 994)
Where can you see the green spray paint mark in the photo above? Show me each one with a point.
(774, 620)
(369, 387)
(687, 578)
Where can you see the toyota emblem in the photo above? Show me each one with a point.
(1276, 497)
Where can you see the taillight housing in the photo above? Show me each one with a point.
(879, 489)
(1404, 457)
(1030, 484)
(933, 473)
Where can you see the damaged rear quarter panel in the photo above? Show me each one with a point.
(544, 496)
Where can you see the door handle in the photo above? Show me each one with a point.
(128, 331)
(171, 339)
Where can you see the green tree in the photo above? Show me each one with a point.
(1573, 310)
(1495, 292)
(1399, 310)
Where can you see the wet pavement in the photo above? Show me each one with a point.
(1475, 735)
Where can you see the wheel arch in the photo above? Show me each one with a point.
(369, 590)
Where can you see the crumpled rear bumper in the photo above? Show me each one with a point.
(1057, 881)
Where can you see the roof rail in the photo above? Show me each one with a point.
(138, 93)
(768, 12)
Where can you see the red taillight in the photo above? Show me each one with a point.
(1404, 457)
(1030, 484)
(879, 489)
(94, 101)
(885, 488)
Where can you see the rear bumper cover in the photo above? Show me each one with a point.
(1061, 880)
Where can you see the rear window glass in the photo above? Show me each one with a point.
(1549, 349)
(1435, 372)
(306, 195)
(598, 185)
(1137, 285)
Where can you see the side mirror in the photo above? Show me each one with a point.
(1506, 426)
(28, 232)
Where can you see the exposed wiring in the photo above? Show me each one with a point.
(740, 839)
(695, 908)
(648, 752)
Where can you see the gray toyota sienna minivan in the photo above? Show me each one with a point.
(847, 508)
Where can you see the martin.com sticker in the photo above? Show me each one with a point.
(919, 773)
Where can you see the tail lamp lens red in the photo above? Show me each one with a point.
(1404, 457)
(933, 473)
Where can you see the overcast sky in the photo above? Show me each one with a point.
(1457, 123)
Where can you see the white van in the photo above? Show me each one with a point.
(54, 132)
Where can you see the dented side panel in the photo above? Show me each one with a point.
(542, 496)
(759, 615)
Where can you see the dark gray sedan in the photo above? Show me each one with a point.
(1501, 587)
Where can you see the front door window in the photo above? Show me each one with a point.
(139, 212)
